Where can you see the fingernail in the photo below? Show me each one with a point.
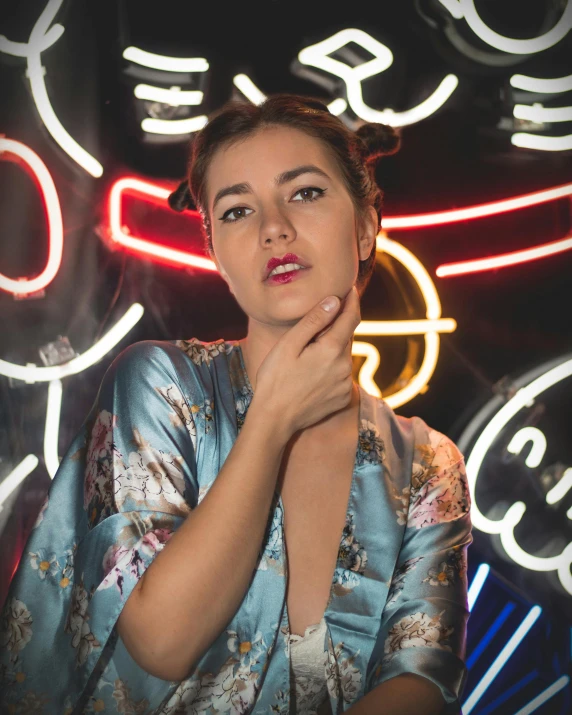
(329, 303)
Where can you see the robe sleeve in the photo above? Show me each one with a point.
(126, 484)
(424, 621)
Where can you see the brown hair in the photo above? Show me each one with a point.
(356, 153)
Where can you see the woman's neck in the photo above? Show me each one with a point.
(254, 353)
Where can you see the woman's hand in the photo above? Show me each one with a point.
(306, 377)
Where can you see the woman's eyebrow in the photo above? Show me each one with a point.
(292, 174)
(283, 178)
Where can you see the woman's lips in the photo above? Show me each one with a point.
(280, 278)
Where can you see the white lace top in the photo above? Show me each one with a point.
(308, 658)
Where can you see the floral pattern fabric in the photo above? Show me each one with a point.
(165, 419)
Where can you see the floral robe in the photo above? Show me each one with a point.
(165, 419)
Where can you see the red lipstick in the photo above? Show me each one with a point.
(287, 258)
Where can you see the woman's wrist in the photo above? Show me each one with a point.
(268, 420)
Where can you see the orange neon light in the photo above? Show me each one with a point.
(158, 194)
(14, 151)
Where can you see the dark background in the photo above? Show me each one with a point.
(510, 320)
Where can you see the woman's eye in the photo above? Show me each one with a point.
(306, 193)
(239, 211)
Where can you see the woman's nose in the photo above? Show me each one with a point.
(275, 226)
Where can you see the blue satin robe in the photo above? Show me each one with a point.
(165, 419)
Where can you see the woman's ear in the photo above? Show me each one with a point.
(368, 228)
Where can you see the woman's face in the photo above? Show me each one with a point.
(280, 191)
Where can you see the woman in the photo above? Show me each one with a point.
(239, 527)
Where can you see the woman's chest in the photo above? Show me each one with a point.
(315, 487)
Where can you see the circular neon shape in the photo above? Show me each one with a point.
(431, 326)
(508, 44)
(16, 152)
(529, 387)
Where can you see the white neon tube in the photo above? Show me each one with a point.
(248, 88)
(173, 96)
(337, 106)
(545, 695)
(53, 124)
(542, 86)
(501, 659)
(478, 582)
(174, 126)
(21, 49)
(51, 431)
(522, 437)
(318, 56)
(41, 38)
(532, 141)
(539, 114)
(454, 7)
(561, 488)
(54, 216)
(510, 45)
(162, 62)
(33, 373)
(410, 116)
(523, 397)
(506, 526)
(16, 477)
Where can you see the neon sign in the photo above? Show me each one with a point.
(485, 429)
(507, 259)
(118, 232)
(53, 375)
(395, 223)
(32, 373)
(542, 86)
(318, 56)
(430, 326)
(539, 114)
(19, 153)
(466, 9)
(536, 113)
(173, 96)
(490, 209)
(43, 37)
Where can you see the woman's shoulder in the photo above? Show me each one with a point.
(424, 437)
(146, 353)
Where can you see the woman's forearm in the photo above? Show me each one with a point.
(406, 694)
(196, 583)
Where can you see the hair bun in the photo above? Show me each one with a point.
(181, 198)
(378, 140)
